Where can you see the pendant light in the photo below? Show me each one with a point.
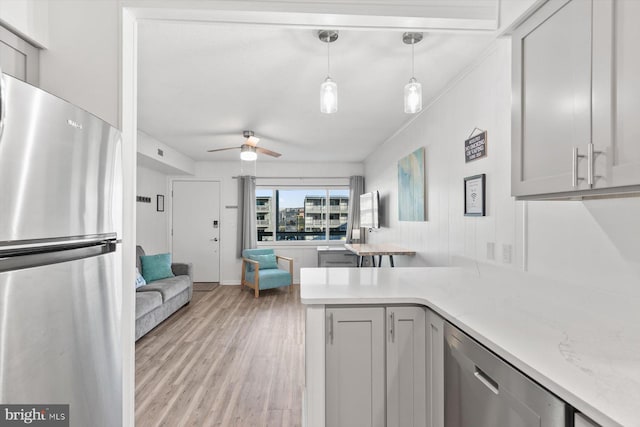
(413, 89)
(328, 88)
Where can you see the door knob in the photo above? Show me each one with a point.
(215, 239)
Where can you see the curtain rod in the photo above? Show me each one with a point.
(296, 177)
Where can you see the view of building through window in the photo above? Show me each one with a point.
(302, 214)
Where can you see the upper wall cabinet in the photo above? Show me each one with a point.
(576, 100)
(617, 82)
(18, 58)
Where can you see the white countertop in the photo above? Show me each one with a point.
(581, 344)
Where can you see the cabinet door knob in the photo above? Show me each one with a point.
(392, 321)
(591, 156)
(330, 328)
(574, 167)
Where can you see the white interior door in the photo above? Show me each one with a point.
(196, 227)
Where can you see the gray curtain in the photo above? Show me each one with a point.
(247, 227)
(356, 188)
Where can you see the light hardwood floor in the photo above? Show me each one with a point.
(226, 359)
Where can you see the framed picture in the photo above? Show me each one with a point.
(411, 187)
(160, 203)
(474, 195)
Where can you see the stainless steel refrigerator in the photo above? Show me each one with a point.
(60, 258)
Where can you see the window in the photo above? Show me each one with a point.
(302, 214)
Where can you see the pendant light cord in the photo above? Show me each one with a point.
(328, 57)
(413, 72)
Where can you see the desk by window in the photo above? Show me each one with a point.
(379, 250)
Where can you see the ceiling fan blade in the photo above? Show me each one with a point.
(252, 141)
(223, 149)
(267, 152)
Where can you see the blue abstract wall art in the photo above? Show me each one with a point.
(411, 187)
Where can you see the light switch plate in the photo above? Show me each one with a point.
(506, 254)
(491, 250)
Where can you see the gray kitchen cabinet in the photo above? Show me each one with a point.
(616, 97)
(551, 89)
(355, 367)
(19, 58)
(406, 367)
(435, 369)
(575, 95)
(365, 347)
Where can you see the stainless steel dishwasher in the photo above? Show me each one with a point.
(481, 390)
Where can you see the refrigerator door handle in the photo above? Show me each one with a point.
(38, 259)
(16, 248)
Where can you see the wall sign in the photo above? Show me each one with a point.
(474, 195)
(476, 146)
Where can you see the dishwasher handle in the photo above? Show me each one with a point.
(485, 379)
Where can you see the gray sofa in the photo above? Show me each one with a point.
(159, 299)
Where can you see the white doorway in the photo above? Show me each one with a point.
(196, 227)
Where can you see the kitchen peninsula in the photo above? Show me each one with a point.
(581, 345)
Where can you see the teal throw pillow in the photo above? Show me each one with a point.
(139, 279)
(156, 267)
(267, 261)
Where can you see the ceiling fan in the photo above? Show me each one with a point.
(249, 149)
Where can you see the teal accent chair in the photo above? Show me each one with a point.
(260, 270)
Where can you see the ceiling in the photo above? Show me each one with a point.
(201, 84)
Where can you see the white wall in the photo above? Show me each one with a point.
(230, 264)
(592, 243)
(82, 61)
(151, 225)
(153, 171)
(170, 161)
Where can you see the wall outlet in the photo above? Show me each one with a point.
(491, 250)
(506, 254)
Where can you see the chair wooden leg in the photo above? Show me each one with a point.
(291, 275)
(243, 275)
(256, 285)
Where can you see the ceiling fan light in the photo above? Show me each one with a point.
(248, 153)
(328, 96)
(412, 97)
